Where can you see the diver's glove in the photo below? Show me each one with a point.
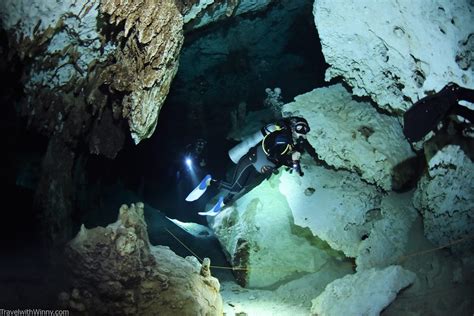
(295, 157)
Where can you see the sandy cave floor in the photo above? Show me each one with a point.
(442, 286)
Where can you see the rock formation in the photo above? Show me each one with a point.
(363, 293)
(94, 71)
(203, 12)
(408, 51)
(445, 196)
(116, 271)
(352, 135)
(257, 232)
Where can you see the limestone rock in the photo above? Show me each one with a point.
(335, 211)
(145, 68)
(116, 271)
(445, 196)
(202, 12)
(363, 293)
(388, 237)
(352, 135)
(350, 215)
(409, 49)
(257, 232)
(74, 48)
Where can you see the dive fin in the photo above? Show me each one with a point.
(215, 210)
(425, 115)
(200, 189)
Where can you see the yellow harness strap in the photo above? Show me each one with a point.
(288, 147)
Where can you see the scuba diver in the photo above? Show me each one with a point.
(192, 159)
(260, 156)
(425, 115)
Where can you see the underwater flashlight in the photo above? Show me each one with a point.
(297, 167)
(189, 162)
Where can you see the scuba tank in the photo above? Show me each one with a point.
(236, 152)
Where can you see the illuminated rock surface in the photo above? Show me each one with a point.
(352, 135)
(257, 233)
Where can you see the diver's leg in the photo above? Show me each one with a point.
(242, 178)
(244, 184)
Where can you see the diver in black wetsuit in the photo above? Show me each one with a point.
(425, 115)
(193, 159)
(281, 147)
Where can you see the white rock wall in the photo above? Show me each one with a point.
(336, 211)
(396, 50)
(350, 215)
(364, 293)
(445, 196)
(388, 236)
(352, 135)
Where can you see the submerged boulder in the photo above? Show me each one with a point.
(262, 242)
(362, 293)
(349, 214)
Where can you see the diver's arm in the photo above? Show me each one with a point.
(295, 157)
(308, 148)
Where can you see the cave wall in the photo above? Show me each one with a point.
(409, 50)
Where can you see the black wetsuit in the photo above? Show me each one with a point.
(274, 151)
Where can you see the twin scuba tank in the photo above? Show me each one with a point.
(236, 152)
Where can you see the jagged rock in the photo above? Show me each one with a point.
(70, 55)
(410, 49)
(388, 238)
(350, 215)
(203, 12)
(116, 271)
(257, 232)
(445, 196)
(73, 52)
(337, 211)
(352, 135)
(363, 293)
(63, 53)
(153, 33)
